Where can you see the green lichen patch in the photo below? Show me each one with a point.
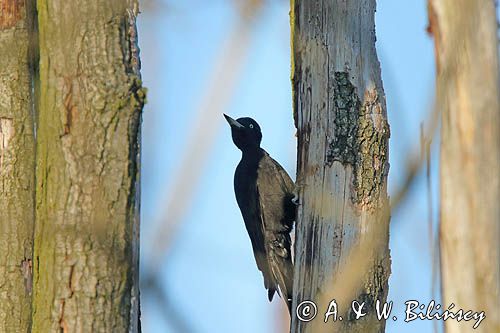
(360, 140)
(372, 165)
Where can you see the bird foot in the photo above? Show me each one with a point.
(295, 198)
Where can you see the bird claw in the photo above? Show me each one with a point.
(295, 198)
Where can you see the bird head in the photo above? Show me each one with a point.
(245, 132)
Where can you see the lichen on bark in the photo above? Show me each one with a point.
(372, 165)
(344, 146)
(361, 135)
(342, 162)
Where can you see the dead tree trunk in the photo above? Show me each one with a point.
(342, 167)
(17, 172)
(86, 234)
(465, 34)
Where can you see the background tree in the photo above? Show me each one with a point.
(466, 45)
(86, 234)
(17, 173)
(342, 167)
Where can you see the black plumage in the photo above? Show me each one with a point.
(265, 193)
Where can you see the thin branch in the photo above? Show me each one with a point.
(167, 306)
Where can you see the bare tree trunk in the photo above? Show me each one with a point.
(86, 234)
(340, 115)
(17, 175)
(468, 94)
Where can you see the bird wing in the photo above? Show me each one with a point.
(247, 197)
(275, 193)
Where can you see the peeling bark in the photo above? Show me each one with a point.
(468, 92)
(12, 13)
(342, 166)
(16, 168)
(87, 200)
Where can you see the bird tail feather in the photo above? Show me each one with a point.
(283, 273)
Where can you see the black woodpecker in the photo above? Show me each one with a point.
(265, 194)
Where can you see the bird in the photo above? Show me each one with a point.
(265, 194)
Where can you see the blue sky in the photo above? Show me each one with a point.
(210, 272)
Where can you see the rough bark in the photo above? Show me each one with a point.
(342, 167)
(468, 95)
(86, 234)
(17, 175)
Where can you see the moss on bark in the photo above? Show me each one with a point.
(91, 99)
(16, 168)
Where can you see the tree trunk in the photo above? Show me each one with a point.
(86, 234)
(17, 175)
(468, 94)
(342, 167)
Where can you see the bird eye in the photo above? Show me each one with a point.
(251, 126)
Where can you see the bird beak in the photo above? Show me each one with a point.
(232, 122)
